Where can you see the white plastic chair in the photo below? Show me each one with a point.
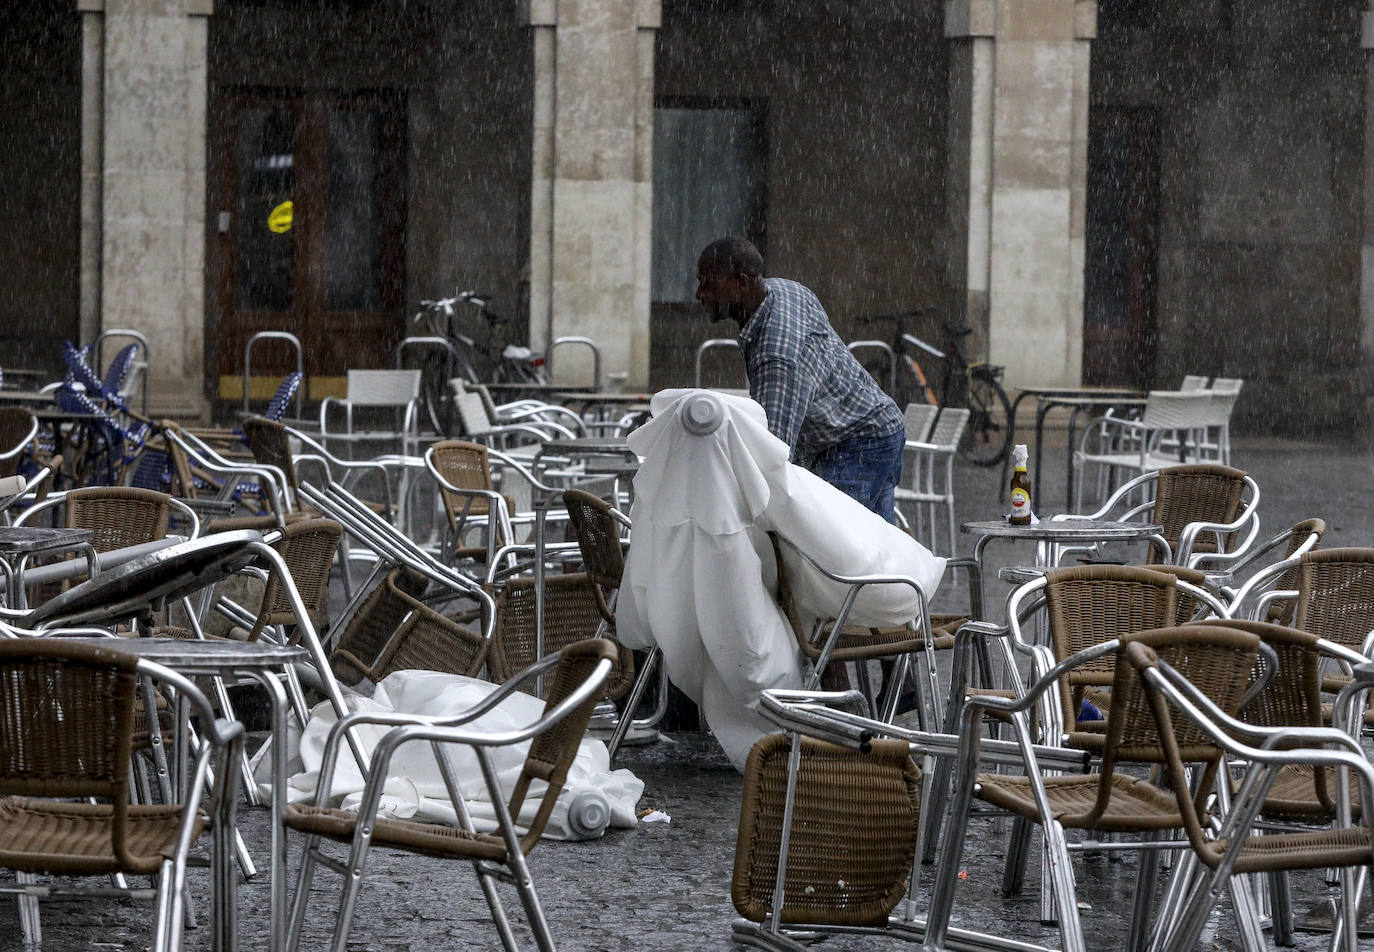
(928, 476)
(1114, 443)
(397, 389)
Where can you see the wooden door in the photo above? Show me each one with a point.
(1119, 265)
(309, 214)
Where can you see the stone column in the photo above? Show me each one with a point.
(591, 198)
(1017, 179)
(144, 81)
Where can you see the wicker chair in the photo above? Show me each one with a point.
(1185, 713)
(118, 517)
(1209, 512)
(554, 737)
(1218, 660)
(1262, 592)
(852, 841)
(858, 644)
(68, 724)
(18, 430)
(462, 471)
(1086, 606)
(393, 631)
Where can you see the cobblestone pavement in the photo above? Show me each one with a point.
(666, 887)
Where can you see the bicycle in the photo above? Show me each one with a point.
(467, 358)
(987, 437)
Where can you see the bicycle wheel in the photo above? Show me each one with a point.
(436, 398)
(987, 438)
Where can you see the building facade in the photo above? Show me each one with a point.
(1110, 191)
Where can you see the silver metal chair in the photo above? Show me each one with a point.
(577, 676)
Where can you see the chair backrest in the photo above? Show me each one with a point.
(1193, 382)
(467, 466)
(472, 412)
(17, 429)
(1227, 384)
(852, 842)
(270, 444)
(383, 388)
(1188, 602)
(307, 546)
(393, 630)
(571, 614)
(1176, 409)
(1089, 605)
(117, 374)
(66, 728)
(276, 407)
(1220, 662)
(917, 418)
(119, 516)
(1281, 610)
(1200, 492)
(1336, 595)
(598, 539)
(949, 426)
(552, 752)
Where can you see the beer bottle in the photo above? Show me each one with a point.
(1020, 488)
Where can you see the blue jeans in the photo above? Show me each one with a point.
(866, 468)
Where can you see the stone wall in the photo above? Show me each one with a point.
(855, 98)
(1261, 115)
(40, 181)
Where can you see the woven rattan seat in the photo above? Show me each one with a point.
(44, 836)
(1201, 492)
(1180, 707)
(427, 839)
(853, 837)
(1317, 849)
(1133, 806)
(16, 436)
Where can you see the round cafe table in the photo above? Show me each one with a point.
(1049, 534)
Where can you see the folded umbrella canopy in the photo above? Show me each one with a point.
(700, 579)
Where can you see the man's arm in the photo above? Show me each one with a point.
(784, 392)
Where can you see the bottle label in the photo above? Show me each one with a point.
(1020, 501)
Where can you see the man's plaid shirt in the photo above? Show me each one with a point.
(812, 389)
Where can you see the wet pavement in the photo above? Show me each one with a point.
(666, 886)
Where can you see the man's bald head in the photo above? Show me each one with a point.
(730, 279)
(733, 257)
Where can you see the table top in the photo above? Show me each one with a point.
(25, 396)
(598, 396)
(588, 444)
(150, 579)
(1066, 530)
(210, 655)
(59, 416)
(24, 540)
(551, 388)
(1084, 393)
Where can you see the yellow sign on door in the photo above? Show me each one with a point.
(279, 218)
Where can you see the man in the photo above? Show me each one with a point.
(819, 400)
